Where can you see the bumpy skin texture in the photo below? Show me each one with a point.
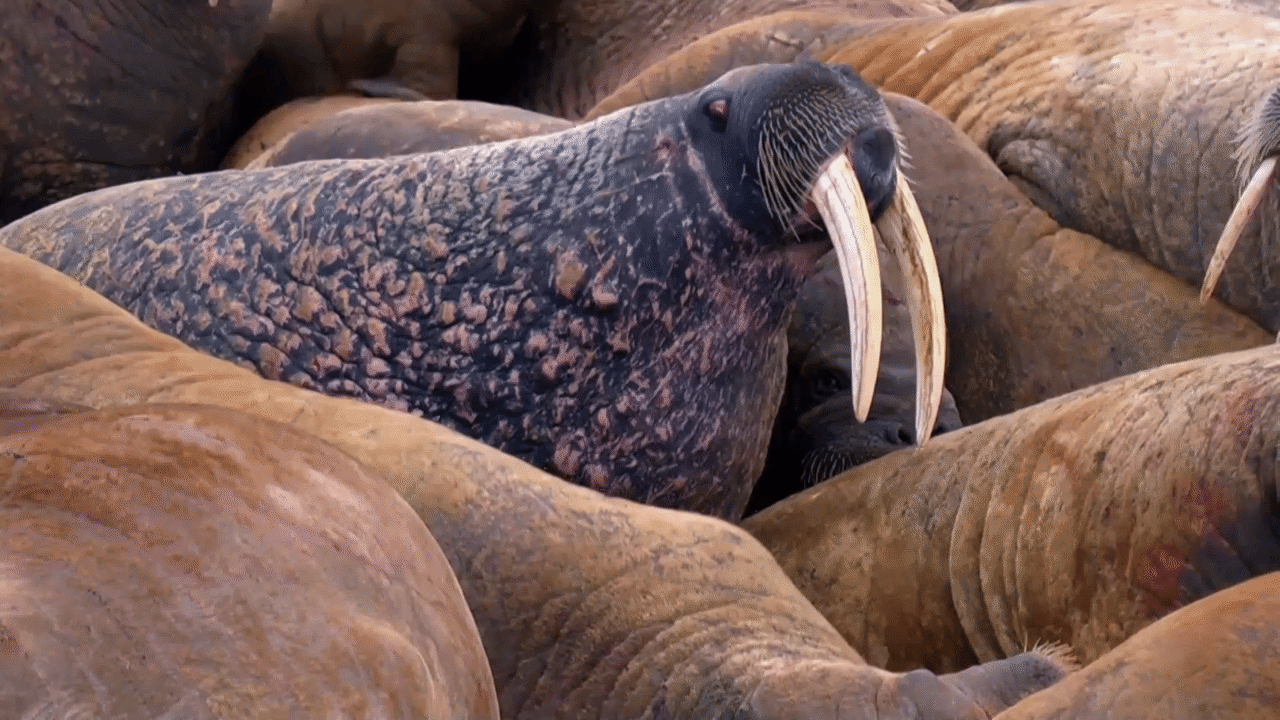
(816, 434)
(400, 128)
(96, 93)
(1080, 520)
(1216, 658)
(588, 606)
(1118, 117)
(196, 562)
(576, 52)
(608, 303)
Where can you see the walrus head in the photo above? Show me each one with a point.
(809, 148)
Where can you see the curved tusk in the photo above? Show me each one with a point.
(1245, 209)
(838, 197)
(903, 231)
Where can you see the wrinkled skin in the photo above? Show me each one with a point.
(574, 52)
(576, 633)
(382, 128)
(651, 372)
(1080, 520)
(400, 48)
(816, 434)
(1216, 658)
(96, 93)
(196, 562)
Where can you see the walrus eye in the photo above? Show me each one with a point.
(718, 111)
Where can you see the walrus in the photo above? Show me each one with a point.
(608, 302)
(1218, 657)
(191, 561)
(561, 580)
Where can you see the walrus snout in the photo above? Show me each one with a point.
(875, 162)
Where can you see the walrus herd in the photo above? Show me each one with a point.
(753, 359)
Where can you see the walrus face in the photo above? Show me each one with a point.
(798, 150)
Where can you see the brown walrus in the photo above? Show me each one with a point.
(608, 302)
(197, 562)
(588, 606)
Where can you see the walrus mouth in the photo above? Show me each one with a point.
(838, 197)
(1250, 200)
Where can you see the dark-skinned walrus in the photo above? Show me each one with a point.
(609, 302)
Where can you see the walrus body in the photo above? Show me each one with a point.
(608, 302)
(196, 562)
(561, 580)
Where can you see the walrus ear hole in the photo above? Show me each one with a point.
(718, 111)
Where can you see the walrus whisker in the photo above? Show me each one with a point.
(1250, 200)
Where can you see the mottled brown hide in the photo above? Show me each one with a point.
(588, 606)
(323, 129)
(198, 562)
(96, 93)
(1079, 520)
(1216, 658)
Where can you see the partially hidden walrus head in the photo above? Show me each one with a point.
(819, 146)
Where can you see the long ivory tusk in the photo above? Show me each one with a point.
(1245, 209)
(904, 234)
(838, 197)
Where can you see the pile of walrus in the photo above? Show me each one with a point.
(604, 265)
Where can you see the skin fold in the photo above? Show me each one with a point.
(192, 561)
(1216, 657)
(630, 611)
(1079, 520)
(651, 371)
(96, 93)
(326, 128)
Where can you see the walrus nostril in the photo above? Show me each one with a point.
(875, 154)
